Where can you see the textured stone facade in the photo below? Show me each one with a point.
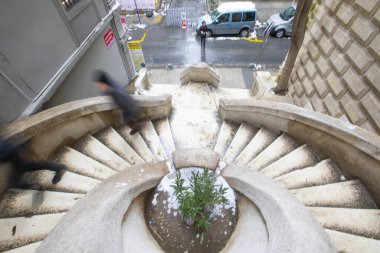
(337, 71)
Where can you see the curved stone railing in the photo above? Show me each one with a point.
(94, 223)
(291, 228)
(354, 149)
(200, 73)
(70, 121)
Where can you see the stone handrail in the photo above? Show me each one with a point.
(354, 149)
(291, 228)
(94, 223)
(200, 73)
(48, 131)
(151, 107)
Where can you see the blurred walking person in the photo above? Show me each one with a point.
(10, 153)
(121, 97)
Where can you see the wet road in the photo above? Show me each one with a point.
(165, 45)
(170, 45)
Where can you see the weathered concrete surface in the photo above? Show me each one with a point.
(205, 158)
(94, 223)
(136, 235)
(200, 73)
(250, 233)
(194, 121)
(330, 136)
(291, 227)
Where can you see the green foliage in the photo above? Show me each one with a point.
(196, 201)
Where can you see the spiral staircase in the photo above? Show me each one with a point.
(191, 117)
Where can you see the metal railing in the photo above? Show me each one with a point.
(175, 16)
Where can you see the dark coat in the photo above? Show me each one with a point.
(203, 29)
(121, 97)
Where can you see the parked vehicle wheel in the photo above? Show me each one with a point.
(208, 33)
(244, 33)
(280, 33)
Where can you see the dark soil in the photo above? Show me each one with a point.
(174, 235)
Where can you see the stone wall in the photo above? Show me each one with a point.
(337, 71)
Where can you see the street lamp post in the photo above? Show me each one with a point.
(137, 10)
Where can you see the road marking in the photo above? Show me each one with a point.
(255, 40)
(136, 44)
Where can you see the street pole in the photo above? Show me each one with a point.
(266, 34)
(137, 10)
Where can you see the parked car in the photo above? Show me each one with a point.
(282, 22)
(230, 18)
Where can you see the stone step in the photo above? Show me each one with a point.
(349, 194)
(70, 182)
(277, 149)
(83, 165)
(241, 139)
(112, 139)
(324, 172)
(226, 134)
(164, 132)
(93, 148)
(19, 202)
(25, 249)
(137, 143)
(20, 231)
(347, 243)
(361, 222)
(298, 159)
(262, 139)
(149, 134)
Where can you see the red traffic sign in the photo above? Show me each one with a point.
(109, 37)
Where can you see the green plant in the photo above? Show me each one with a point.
(196, 201)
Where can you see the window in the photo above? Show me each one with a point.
(236, 17)
(249, 16)
(214, 14)
(287, 13)
(224, 18)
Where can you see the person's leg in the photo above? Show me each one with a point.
(23, 165)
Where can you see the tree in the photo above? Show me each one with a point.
(298, 33)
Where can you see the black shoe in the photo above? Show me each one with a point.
(58, 176)
(133, 131)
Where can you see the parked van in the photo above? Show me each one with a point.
(230, 18)
(282, 22)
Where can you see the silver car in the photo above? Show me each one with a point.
(282, 22)
(230, 18)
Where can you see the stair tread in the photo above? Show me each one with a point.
(25, 249)
(349, 194)
(149, 134)
(361, 222)
(70, 182)
(112, 139)
(322, 173)
(19, 202)
(259, 142)
(81, 164)
(277, 149)
(299, 158)
(225, 136)
(137, 143)
(96, 150)
(20, 231)
(164, 132)
(348, 243)
(241, 139)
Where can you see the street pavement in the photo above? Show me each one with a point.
(164, 45)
